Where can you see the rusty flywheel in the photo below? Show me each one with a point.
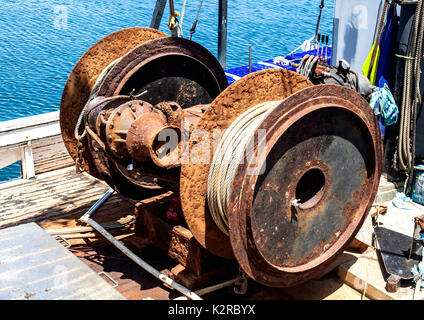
(107, 90)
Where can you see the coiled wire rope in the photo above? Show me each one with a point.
(229, 153)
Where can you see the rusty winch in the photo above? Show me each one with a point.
(272, 171)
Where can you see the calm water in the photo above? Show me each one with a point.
(42, 40)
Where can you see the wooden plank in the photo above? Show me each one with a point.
(9, 157)
(58, 200)
(51, 155)
(366, 269)
(27, 162)
(40, 143)
(22, 135)
(28, 122)
(329, 288)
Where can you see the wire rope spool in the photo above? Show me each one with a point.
(252, 90)
(227, 156)
(276, 173)
(85, 74)
(323, 165)
(290, 208)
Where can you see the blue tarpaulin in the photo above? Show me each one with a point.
(234, 74)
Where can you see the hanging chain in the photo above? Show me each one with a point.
(79, 161)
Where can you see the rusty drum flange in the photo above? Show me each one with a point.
(323, 164)
(258, 87)
(167, 69)
(84, 75)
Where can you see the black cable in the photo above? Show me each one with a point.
(193, 27)
(321, 6)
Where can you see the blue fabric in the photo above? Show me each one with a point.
(244, 70)
(418, 271)
(401, 200)
(384, 105)
(386, 61)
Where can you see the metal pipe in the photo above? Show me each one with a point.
(86, 218)
(157, 14)
(319, 20)
(213, 288)
(222, 32)
(97, 204)
(189, 294)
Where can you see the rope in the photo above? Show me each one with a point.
(228, 155)
(411, 97)
(96, 87)
(180, 24)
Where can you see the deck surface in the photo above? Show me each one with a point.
(35, 266)
(57, 199)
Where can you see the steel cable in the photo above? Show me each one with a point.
(228, 155)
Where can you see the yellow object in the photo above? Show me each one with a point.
(173, 21)
(366, 66)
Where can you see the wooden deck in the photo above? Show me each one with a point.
(57, 200)
(57, 197)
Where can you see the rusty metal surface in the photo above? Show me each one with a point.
(329, 135)
(134, 181)
(169, 69)
(124, 141)
(142, 134)
(85, 73)
(258, 87)
(118, 125)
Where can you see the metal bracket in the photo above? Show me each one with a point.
(58, 236)
(115, 284)
(240, 285)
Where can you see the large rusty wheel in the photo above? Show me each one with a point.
(85, 74)
(258, 87)
(167, 69)
(324, 151)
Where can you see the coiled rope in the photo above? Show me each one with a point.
(228, 155)
(411, 96)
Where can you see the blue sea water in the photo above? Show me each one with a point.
(42, 40)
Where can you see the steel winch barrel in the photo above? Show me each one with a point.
(292, 213)
(274, 172)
